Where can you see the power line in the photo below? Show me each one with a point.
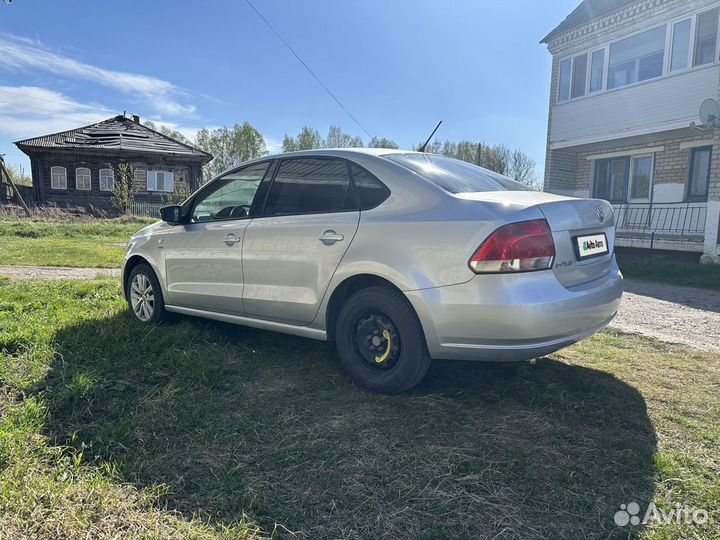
(277, 34)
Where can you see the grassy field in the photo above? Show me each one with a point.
(98, 243)
(671, 268)
(200, 429)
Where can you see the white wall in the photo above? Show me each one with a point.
(670, 102)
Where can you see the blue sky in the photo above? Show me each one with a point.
(399, 66)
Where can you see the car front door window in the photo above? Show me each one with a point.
(231, 196)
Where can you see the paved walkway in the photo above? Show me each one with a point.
(673, 314)
(56, 272)
(669, 313)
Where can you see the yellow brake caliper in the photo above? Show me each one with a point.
(381, 359)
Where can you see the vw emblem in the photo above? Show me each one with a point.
(600, 211)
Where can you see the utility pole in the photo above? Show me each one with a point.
(3, 171)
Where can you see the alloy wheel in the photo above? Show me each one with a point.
(142, 297)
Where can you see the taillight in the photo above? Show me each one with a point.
(518, 247)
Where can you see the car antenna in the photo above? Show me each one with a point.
(422, 148)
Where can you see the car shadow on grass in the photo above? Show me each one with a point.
(236, 421)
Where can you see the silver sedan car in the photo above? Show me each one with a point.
(399, 257)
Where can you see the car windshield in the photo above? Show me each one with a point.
(454, 175)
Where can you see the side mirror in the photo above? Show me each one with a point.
(170, 214)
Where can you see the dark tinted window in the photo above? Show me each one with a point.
(370, 190)
(454, 175)
(310, 186)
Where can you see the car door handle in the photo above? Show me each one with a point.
(330, 237)
(231, 239)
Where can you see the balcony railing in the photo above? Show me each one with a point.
(682, 219)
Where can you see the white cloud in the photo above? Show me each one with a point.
(274, 146)
(23, 54)
(30, 111)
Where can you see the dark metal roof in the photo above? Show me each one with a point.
(586, 11)
(114, 134)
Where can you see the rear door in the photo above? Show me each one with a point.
(290, 253)
(203, 258)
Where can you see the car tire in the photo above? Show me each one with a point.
(144, 295)
(365, 322)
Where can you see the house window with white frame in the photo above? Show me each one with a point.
(679, 44)
(107, 179)
(680, 51)
(160, 181)
(699, 173)
(706, 29)
(623, 178)
(82, 179)
(58, 178)
(636, 58)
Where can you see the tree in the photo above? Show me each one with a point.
(496, 158)
(18, 175)
(433, 147)
(499, 158)
(522, 168)
(382, 142)
(122, 194)
(468, 151)
(310, 139)
(337, 138)
(167, 131)
(230, 146)
(307, 139)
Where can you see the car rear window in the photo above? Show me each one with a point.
(454, 175)
(370, 190)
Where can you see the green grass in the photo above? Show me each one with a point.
(195, 428)
(666, 267)
(86, 242)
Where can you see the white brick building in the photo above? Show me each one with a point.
(628, 78)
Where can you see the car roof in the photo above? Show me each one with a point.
(343, 152)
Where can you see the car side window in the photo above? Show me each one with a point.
(230, 196)
(310, 186)
(370, 191)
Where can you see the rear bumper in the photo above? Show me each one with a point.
(510, 317)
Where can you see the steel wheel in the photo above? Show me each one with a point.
(142, 297)
(380, 341)
(377, 340)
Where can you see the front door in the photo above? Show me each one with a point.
(291, 252)
(203, 258)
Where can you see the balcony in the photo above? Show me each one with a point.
(661, 225)
(665, 103)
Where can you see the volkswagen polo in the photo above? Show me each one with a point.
(398, 257)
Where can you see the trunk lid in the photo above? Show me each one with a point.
(569, 218)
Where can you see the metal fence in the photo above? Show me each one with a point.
(687, 218)
(146, 209)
